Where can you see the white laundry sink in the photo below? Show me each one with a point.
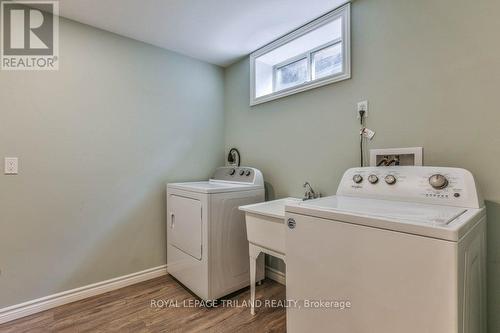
(266, 234)
(266, 224)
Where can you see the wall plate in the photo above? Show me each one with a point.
(362, 106)
(407, 156)
(11, 166)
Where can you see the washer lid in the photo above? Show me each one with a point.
(436, 221)
(213, 186)
(408, 211)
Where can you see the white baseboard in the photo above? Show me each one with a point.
(45, 303)
(276, 275)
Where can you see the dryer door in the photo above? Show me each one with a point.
(185, 224)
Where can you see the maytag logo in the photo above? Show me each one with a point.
(29, 35)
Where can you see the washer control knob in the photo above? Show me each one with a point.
(232, 172)
(373, 179)
(248, 173)
(357, 178)
(390, 179)
(242, 172)
(438, 181)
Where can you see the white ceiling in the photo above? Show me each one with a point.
(216, 31)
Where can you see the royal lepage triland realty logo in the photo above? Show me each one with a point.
(29, 35)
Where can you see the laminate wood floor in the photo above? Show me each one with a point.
(129, 310)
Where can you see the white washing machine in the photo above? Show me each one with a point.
(207, 247)
(402, 248)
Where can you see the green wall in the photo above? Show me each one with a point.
(82, 209)
(431, 71)
(97, 140)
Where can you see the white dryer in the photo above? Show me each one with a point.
(404, 247)
(207, 248)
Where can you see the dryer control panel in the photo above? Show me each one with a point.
(245, 175)
(433, 185)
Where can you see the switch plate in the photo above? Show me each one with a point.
(11, 166)
(362, 106)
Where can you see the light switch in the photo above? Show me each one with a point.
(11, 166)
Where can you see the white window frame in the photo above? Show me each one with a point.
(289, 62)
(343, 12)
(321, 48)
(309, 57)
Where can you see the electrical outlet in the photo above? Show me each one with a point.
(362, 106)
(11, 166)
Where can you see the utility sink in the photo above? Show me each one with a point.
(266, 234)
(266, 223)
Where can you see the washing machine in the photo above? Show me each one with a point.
(207, 247)
(398, 249)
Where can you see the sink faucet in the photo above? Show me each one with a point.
(309, 192)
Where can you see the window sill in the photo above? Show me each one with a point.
(300, 88)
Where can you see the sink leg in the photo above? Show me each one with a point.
(254, 252)
(253, 273)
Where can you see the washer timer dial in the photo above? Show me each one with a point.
(438, 181)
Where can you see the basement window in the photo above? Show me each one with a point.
(312, 56)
